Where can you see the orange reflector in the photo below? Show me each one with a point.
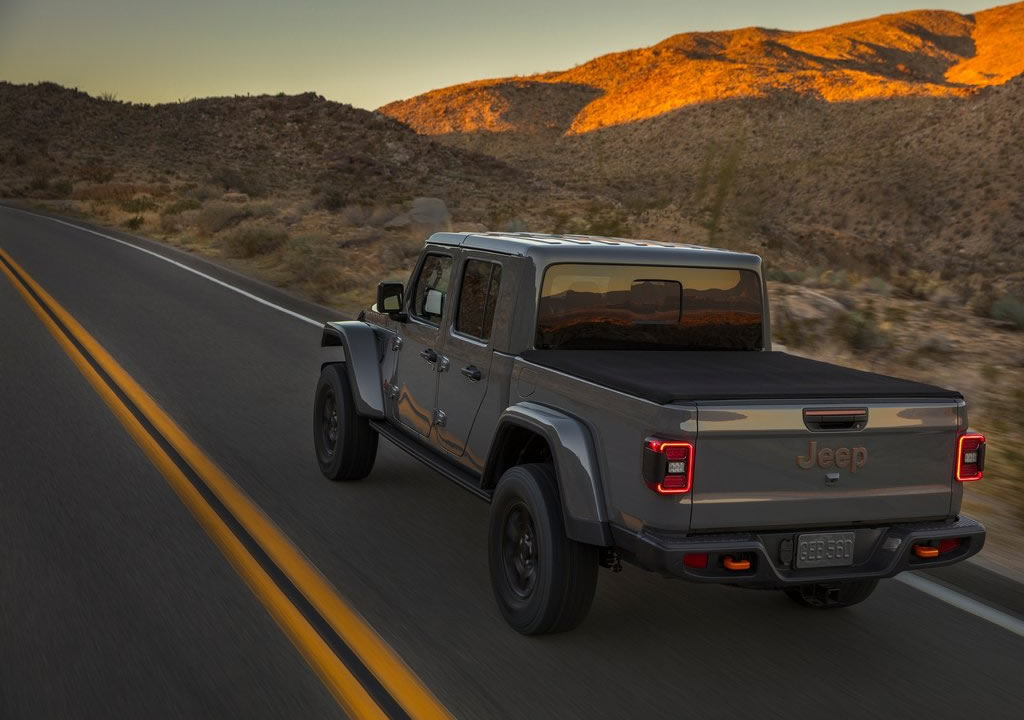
(731, 564)
(926, 551)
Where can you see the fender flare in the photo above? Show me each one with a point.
(354, 344)
(576, 468)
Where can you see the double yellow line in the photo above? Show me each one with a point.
(362, 672)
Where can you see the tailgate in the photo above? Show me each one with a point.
(812, 464)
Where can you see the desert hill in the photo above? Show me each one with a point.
(260, 145)
(919, 53)
(889, 146)
(300, 190)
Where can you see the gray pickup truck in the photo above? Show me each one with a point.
(619, 400)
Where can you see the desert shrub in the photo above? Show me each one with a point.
(217, 216)
(895, 314)
(179, 206)
(96, 171)
(789, 331)
(40, 182)
(252, 241)
(1009, 308)
(918, 283)
(233, 178)
(777, 274)
(169, 223)
(300, 255)
(381, 215)
(202, 193)
(330, 200)
(110, 97)
(353, 215)
(609, 223)
(876, 285)
(134, 222)
(138, 204)
(61, 188)
(328, 279)
(106, 193)
(860, 331)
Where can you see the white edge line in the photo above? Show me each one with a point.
(952, 597)
(183, 266)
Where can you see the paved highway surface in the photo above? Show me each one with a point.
(116, 602)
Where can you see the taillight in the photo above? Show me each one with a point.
(668, 466)
(970, 457)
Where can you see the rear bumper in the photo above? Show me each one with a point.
(879, 552)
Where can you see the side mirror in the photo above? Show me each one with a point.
(389, 300)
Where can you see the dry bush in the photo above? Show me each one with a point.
(253, 241)
(354, 215)
(328, 279)
(218, 216)
(1009, 308)
(116, 193)
(179, 206)
(138, 204)
(382, 215)
(303, 254)
(238, 180)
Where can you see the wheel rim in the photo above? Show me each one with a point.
(519, 550)
(329, 422)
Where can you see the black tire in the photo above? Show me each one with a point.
(346, 447)
(543, 581)
(826, 596)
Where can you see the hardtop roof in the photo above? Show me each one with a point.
(548, 248)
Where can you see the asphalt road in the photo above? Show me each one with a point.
(114, 602)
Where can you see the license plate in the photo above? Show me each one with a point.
(815, 550)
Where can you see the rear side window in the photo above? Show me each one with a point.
(480, 283)
(649, 307)
(432, 288)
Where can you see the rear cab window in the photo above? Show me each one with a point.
(431, 289)
(481, 280)
(649, 307)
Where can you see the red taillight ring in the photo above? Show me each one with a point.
(960, 456)
(671, 451)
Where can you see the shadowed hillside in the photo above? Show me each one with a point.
(300, 190)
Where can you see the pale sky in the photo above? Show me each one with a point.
(363, 53)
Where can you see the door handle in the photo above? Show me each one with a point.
(429, 355)
(472, 372)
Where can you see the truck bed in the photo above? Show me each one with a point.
(664, 376)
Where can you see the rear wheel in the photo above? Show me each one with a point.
(824, 596)
(543, 581)
(346, 445)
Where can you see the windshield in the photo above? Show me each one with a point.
(621, 307)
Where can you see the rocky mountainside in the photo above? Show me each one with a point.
(888, 146)
(920, 53)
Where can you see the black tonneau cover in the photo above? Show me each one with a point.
(664, 376)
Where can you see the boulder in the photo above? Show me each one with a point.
(806, 305)
(429, 212)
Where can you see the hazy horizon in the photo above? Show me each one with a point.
(365, 55)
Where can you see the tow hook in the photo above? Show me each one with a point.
(731, 564)
(610, 559)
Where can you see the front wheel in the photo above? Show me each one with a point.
(346, 445)
(824, 596)
(543, 581)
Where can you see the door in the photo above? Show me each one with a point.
(462, 381)
(414, 386)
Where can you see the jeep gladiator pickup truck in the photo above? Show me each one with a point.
(619, 400)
